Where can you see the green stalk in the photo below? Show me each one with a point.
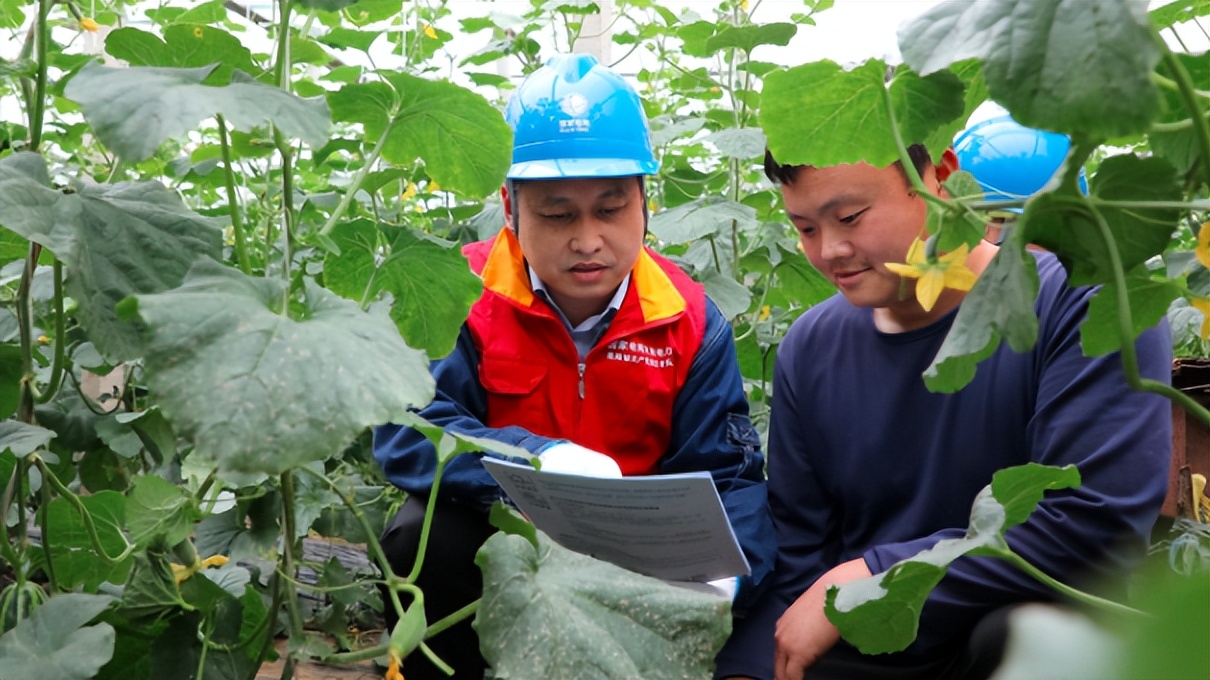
(38, 105)
(57, 367)
(451, 619)
(428, 522)
(1064, 589)
(358, 178)
(282, 65)
(49, 564)
(436, 660)
(85, 516)
(15, 560)
(287, 216)
(1185, 85)
(1130, 362)
(288, 566)
(237, 221)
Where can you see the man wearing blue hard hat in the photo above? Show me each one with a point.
(585, 348)
(1011, 162)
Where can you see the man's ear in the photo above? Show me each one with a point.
(508, 205)
(947, 165)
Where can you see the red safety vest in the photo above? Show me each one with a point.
(620, 399)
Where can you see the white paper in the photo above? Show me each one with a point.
(671, 527)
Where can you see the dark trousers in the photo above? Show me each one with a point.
(976, 660)
(449, 579)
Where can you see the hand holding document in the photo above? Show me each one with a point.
(671, 527)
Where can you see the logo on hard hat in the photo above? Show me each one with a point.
(574, 105)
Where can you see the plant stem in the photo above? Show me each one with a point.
(358, 178)
(38, 106)
(85, 516)
(428, 521)
(25, 325)
(282, 65)
(288, 567)
(287, 213)
(57, 367)
(451, 619)
(237, 222)
(1185, 86)
(1064, 589)
(1130, 362)
(48, 563)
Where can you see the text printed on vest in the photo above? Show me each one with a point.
(637, 353)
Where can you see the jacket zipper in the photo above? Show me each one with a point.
(581, 367)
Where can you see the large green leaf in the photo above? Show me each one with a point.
(159, 510)
(183, 45)
(115, 239)
(1066, 228)
(822, 115)
(133, 110)
(881, 614)
(1149, 299)
(462, 139)
(75, 559)
(732, 297)
(56, 643)
(552, 613)
(1001, 303)
(1181, 147)
(432, 286)
(795, 282)
(751, 36)
(151, 593)
(259, 392)
(741, 143)
(705, 217)
(23, 439)
(1068, 65)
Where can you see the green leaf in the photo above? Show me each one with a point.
(56, 643)
(881, 614)
(1181, 147)
(371, 11)
(11, 15)
(549, 612)
(1001, 303)
(694, 38)
(210, 12)
(75, 560)
(326, 5)
(1067, 65)
(751, 36)
(512, 522)
(257, 391)
(115, 240)
(184, 46)
(151, 593)
(732, 297)
(741, 143)
(432, 286)
(960, 225)
(1149, 299)
(1065, 227)
(819, 114)
(23, 439)
(133, 110)
(159, 510)
(705, 217)
(796, 282)
(345, 38)
(463, 140)
(311, 498)
(1019, 489)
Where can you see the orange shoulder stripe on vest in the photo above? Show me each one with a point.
(658, 296)
(504, 272)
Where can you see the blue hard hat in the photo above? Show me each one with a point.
(1010, 161)
(574, 118)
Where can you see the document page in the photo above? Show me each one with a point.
(671, 527)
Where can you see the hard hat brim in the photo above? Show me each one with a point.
(581, 168)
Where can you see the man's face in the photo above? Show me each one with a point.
(581, 237)
(851, 220)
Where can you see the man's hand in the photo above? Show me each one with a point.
(804, 633)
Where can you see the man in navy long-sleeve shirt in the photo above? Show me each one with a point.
(867, 467)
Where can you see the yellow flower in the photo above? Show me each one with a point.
(429, 32)
(409, 192)
(89, 25)
(180, 572)
(743, 5)
(393, 670)
(1203, 305)
(43, 340)
(949, 271)
(1203, 245)
(434, 187)
(764, 313)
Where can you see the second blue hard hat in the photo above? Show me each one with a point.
(1010, 161)
(575, 118)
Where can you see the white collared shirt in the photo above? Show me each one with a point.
(589, 331)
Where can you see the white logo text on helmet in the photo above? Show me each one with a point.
(574, 105)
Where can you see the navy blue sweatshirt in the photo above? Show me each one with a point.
(865, 462)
